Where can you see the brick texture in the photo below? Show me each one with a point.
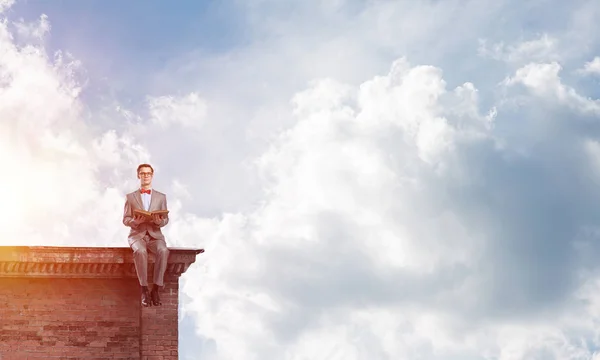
(84, 303)
(159, 325)
(69, 318)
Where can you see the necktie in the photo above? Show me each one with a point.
(146, 191)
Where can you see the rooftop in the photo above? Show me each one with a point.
(89, 262)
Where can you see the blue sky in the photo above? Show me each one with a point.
(370, 179)
(112, 38)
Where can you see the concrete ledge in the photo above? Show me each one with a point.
(83, 262)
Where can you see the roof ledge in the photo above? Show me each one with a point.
(84, 262)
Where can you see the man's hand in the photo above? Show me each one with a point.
(157, 219)
(138, 219)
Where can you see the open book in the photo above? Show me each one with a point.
(149, 214)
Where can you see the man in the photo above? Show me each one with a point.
(146, 235)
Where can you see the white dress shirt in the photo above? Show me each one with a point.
(146, 200)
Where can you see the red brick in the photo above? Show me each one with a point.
(86, 311)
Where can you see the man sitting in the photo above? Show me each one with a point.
(145, 234)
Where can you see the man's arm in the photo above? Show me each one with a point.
(128, 219)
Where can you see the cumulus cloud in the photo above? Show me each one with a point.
(400, 219)
(544, 80)
(592, 67)
(40, 124)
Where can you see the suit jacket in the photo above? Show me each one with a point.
(133, 200)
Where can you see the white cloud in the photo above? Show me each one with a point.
(5, 4)
(544, 80)
(33, 31)
(592, 67)
(42, 144)
(359, 216)
(188, 111)
(543, 49)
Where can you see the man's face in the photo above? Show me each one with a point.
(145, 176)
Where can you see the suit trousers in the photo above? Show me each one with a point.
(140, 258)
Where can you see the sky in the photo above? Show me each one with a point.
(374, 180)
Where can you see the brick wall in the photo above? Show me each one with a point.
(159, 325)
(84, 303)
(69, 318)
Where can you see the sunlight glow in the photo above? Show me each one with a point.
(24, 194)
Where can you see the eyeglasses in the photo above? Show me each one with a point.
(145, 174)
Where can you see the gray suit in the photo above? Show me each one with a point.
(147, 236)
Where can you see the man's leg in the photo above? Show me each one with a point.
(140, 259)
(161, 253)
(159, 248)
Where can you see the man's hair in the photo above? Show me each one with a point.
(144, 165)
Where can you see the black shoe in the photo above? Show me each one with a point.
(155, 296)
(145, 298)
